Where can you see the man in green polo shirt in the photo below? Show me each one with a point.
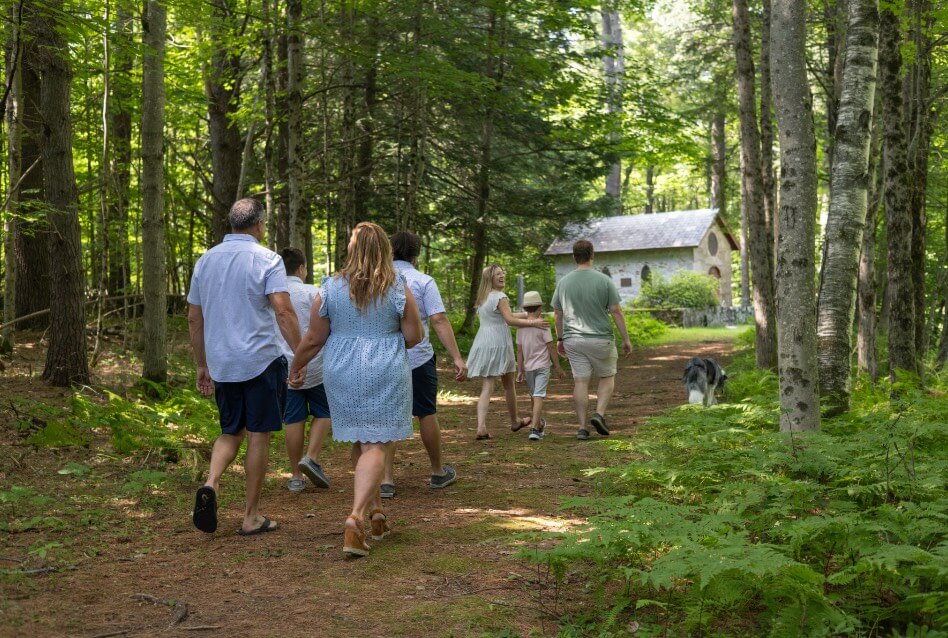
(583, 302)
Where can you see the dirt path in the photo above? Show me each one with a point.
(449, 569)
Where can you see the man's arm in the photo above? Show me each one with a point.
(444, 330)
(196, 329)
(310, 345)
(519, 364)
(286, 318)
(619, 318)
(558, 323)
(555, 358)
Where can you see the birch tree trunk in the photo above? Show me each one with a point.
(796, 259)
(66, 358)
(766, 120)
(942, 357)
(153, 185)
(613, 63)
(900, 286)
(866, 295)
(294, 128)
(760, 238)
(849, 183)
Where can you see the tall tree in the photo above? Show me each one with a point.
(120, 135)
(13, 50)
(766, 119)
(32, 289)
(866, 294)
(66, 359)
(849, 184)
(900, 288)
(294, 128)
(155, 362)
(613, 62)
(796, 259)
(222, 87)
(760, 236)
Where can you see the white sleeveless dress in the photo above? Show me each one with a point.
(492, 353)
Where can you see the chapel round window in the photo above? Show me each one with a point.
(713, 244)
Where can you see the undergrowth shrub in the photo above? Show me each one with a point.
(715, 523)
(685, 289)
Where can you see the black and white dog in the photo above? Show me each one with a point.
(702, 378)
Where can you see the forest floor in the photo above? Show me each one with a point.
(77, 549)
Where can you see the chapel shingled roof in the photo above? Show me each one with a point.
(677, 229)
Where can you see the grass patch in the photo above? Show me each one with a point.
(724, 526)
(676, 334)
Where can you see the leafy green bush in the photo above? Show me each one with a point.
(723, 525)
(686, 289)
(644, 329)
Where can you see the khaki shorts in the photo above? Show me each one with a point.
(537, 381)
(589, 357)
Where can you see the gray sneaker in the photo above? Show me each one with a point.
(296, 485)
(599, 423)
(535, 435)
(444, 480)
(314, 472)
(387, 490)
(582, 435)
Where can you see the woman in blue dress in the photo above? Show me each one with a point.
(366, 319)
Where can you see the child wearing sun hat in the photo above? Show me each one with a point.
(536, 352)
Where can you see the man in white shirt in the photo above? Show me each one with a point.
(238, 302)
(406, 247)
(310, 398)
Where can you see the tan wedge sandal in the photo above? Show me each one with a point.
(353, 540)
(380, 526)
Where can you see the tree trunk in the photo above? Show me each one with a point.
(222, 87)
(493, 71)
(900, 288)
(796, 259)
(66, 360)
(866, 337)
(31, 229)
(294, 128)
(282, 222)
(942, 357)
(268, 82)
(847, 213)
(835, 14)
(760, 242)
(346, 215)
(613, 63)
(13, 51)
(719, 164)
(766, 120)
(916, 89)
(365, 155)
(120, 135)
(418, 133)
(649, 190)
(155, 366)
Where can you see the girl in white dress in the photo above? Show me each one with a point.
(492, 354)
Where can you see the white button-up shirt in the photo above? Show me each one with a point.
(302, 295)
(230, 283)
(425, 291)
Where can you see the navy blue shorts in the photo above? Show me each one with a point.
(424, 389)
(255, 405)
(302, 403)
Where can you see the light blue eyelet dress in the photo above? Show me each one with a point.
(365, 366)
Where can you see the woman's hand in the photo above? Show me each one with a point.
(540, 323)
(297, 376)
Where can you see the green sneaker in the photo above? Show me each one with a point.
(444, 480)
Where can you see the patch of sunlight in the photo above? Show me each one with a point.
(453, 398)
(525, 520)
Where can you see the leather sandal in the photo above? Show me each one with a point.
(353, 540)
(380, 526)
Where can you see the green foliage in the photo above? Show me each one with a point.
(644, 329)
(685, 289)
(720, 520)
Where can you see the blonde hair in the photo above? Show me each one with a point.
(369, 266)
(487, 283)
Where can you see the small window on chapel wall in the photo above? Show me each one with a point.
(605, 270)
(715, 272)
(625, 282)
(713, 244)
(646, 273)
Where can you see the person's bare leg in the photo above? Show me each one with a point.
(368, 477)
(604, 394)
(294, 446)
(255, 467)
(581, 399)
(388, 475)
(318, 432)
(483, 404)
(510, 395)
(537, 412)
(431, 439)
(222, 455)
